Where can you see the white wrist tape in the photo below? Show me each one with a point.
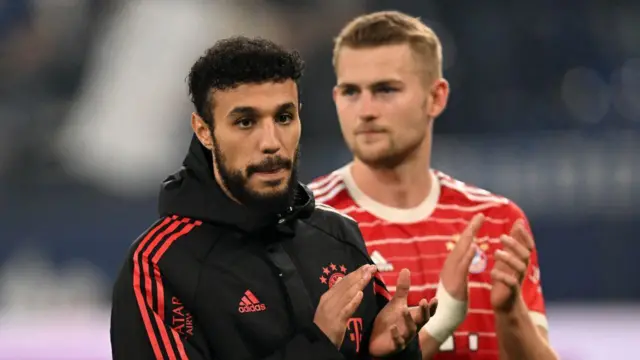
(450, 313)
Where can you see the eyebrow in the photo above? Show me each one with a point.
(243, 111)
(286, 107)
(346, 85)
(252, 111)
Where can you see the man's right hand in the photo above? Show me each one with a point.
(339, 303)
(455, 271)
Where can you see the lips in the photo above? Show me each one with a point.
(369, 130)
(270, 168)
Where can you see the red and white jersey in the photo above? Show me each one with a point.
(420, 239)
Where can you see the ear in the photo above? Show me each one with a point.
(202, 131)
(439, 96)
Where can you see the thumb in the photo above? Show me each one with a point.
(403, 285)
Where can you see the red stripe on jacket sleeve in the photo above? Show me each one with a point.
(142, 274)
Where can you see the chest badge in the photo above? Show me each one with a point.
(332, 273)
(480, 259)
(479, 262)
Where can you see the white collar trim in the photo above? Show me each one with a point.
(388, 213)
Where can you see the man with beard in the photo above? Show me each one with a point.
(242, 264)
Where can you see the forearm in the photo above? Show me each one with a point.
(519, 338)
(428, 345)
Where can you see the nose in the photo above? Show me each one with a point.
(367, 108)
(269, 141)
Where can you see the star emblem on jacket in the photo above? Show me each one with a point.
(332, 273)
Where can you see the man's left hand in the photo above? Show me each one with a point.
(396, 325)
(510, 267)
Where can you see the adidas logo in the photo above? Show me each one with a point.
(250, 303)
(381, 263)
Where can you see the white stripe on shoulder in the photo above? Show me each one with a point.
(332, 209)
(473, 193)
(327, 188)
(316, 184)
(330, 195)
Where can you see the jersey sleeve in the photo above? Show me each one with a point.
(531, 286)
(142, 325)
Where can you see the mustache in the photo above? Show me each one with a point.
(270, 164)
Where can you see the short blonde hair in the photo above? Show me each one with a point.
(392, 28)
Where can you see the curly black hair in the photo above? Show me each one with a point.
(239, 60)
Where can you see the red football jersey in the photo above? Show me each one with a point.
(420, 239)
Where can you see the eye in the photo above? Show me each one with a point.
(284, 118)
(245, 123)
(385, 89)
(349, 91)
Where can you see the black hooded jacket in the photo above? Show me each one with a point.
(212, 280)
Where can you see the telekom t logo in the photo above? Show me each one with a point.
(354, 326)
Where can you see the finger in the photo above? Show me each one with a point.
(409, 324)
(507, 279)
(344, 290)
(357, 286)
(398, 340)
(425, 311)
(467, 257)
(510, 260)
(363, 273)
(403, 285)
(352, 306)
(469, 233)
(433, 306)
(520, 233)
(420, 314)
(515, 247)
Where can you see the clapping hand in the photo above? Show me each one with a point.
(339, 303)
(510, 267)
(395, 326)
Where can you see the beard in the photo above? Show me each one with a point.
(237, 182)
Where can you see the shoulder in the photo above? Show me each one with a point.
(336, 224)
(329, 188)
(164, 254)
(328, 213)
(165, 237)
(464, 197)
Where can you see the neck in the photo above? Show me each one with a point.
(404, 186)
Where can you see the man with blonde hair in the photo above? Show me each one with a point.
(389, 90)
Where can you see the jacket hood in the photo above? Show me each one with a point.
(193, 192)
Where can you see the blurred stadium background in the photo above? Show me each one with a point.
(94, 113)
